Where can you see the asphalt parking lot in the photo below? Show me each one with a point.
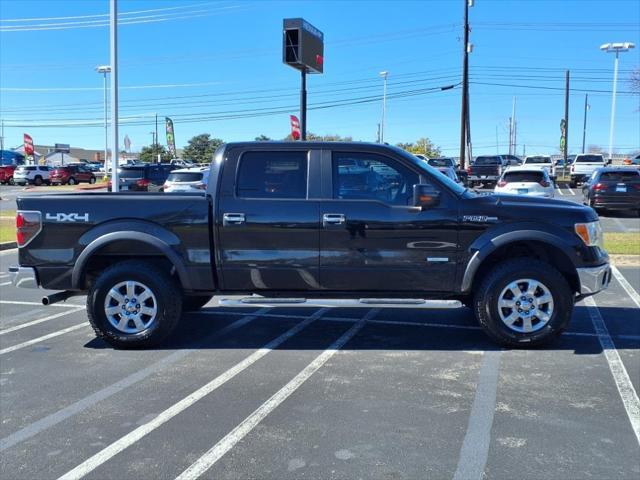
(319, 393)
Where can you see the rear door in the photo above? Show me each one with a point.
(372, 238)
(267, 220)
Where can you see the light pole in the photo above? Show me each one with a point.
(113, 47)
(384, 76)
(104, 69)
(584, 126)
(614, 48)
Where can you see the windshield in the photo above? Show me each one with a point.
(620, 176)
(590, 158)
(440, 162)
(184, 177)
(538, 160)
(487, 161)
(531, 177)
(131, 172)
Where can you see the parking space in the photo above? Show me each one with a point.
(317, 393)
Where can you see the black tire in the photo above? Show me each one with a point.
(488, 293)
(37, 181)
(573, 184)
(71, 181)
(167, 294)
(92, 180)
(195, 303)
(11, 181)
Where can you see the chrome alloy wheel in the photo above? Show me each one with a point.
(525, 305)
(131, 307)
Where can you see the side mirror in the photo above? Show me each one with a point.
(425, 196)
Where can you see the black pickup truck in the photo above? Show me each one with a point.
(294, 222)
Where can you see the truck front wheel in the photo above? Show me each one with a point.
(523, 303)
(134, 304)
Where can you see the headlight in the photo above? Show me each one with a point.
(590, 233)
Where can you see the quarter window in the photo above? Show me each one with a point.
(273, 175)
(363, 176)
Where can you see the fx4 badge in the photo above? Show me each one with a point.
(479, 218)
(67, 217)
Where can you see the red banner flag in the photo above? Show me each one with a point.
(295, 127)
(28, 144)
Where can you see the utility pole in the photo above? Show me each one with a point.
(113, 43)
(512, 129)
(465, 85)
(497, 153)
(566, 117)
(157, 142)
(2, 134)
(384, 76)
(584, 127)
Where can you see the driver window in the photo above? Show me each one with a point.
(367, 176)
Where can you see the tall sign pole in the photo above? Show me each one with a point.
(584, 127)
(303, 49)
(566, 117)
(113, 43)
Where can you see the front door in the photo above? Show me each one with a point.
(268, 224)
(372, 238)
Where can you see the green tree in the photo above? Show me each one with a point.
(423, 146)
(150, 153)
(200, 148)
(262, 138)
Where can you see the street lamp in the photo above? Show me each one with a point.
(384, 104)
(614, 48)
(104, 69)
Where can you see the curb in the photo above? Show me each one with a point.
(625, 260)
(8, 245)
(95, 186)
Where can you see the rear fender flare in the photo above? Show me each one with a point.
(104, 240)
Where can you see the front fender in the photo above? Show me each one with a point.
(492, 240)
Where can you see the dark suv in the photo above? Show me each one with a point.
(144, 178)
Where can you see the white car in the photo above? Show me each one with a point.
(187, 180)
(31, 174)
(531, 181)
(540, 161)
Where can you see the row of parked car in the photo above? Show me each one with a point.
(70, 174)
(161, 177)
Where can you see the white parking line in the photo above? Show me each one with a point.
(4, 284)
(4, 275)
(571, 191)
(177, 408)
(40, 320)
(7, 252)
(626, 285)
(77, 407)
(628, 394)
(206, 461)
(559, 191)
(43, 338)
(17, 302)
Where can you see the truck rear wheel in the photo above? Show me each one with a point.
(523, 303)
(195, 303)
(134, 304)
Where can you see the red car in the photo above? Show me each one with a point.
(6, 174)
(71, 175)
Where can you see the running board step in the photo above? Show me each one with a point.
(339, 303)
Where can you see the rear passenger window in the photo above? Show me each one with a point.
(273, 175)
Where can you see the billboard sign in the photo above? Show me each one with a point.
(303, 45)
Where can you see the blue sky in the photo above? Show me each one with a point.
(209, 59)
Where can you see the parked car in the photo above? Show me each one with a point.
(583, 166)
(560, 167)
(187, 180)
(635, 161)
(487, 169)
(542, 161)
(31, 174)
(6, 174)
(526, 180)
(513, 160)
(613, 188)
(148, 177)
(449, 167)
(71, 174)
(294, 220)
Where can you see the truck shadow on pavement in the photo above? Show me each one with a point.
(390, 329)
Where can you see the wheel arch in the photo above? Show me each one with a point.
(536, 244)
(121, 245)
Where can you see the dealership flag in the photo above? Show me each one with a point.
(295, 127)
(171, 141)
(28, 144)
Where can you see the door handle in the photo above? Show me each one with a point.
(333, 219)
(232, 219)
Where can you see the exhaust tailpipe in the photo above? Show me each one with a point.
(59, 297)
